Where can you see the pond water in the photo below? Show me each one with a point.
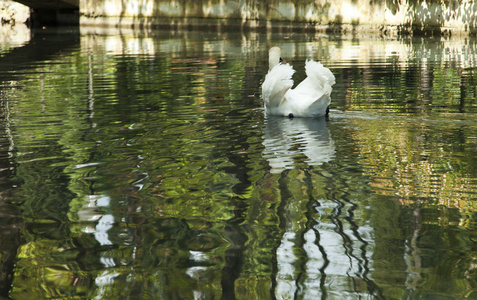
(142, 166)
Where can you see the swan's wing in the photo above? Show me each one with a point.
(317, 84)
(319, 73)
(312, 96)
(277, 82)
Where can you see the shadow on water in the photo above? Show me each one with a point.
(44, 45)
(10, 215)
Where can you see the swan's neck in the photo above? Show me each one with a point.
(273, 57)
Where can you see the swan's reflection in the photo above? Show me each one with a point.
(286, 139)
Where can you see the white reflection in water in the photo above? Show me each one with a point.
(196, 272)
(286, 281)
(336, 255)
(198, 256)
(90, 212)
(104, 224)
(286, 139)
(103, 281)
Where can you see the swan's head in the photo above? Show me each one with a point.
(274, 57)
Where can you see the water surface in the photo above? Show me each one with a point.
(142, 166)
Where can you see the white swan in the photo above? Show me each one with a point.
(311, 98)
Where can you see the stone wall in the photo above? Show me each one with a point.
(337, 15)
(397, 15)
(13, 12)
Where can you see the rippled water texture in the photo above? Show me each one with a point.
(142, 166)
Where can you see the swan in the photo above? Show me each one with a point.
(310, 98)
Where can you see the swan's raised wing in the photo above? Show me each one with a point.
(319, 73)
(277, 82)
(319, 78)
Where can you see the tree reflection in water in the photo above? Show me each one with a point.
(144, 166)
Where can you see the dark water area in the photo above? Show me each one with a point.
(142, 166)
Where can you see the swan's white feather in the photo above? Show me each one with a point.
(276, 84)
(310, 98)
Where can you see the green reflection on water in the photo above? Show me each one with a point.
(148, 172)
